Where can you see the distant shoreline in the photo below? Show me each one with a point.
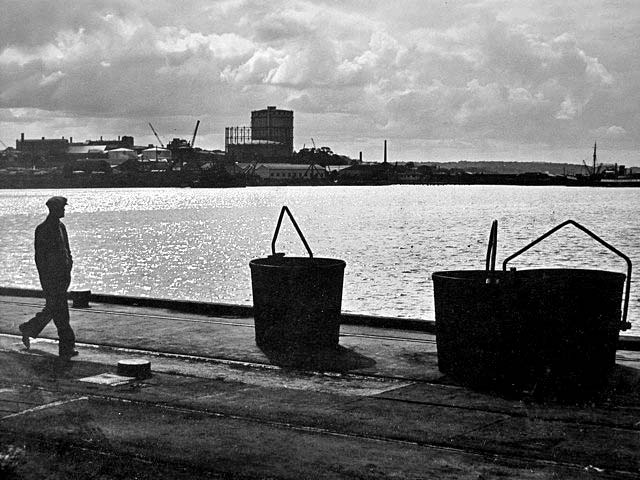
(179, 180)
(420, 173)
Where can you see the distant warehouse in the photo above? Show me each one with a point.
(57, 151)
(288, 171)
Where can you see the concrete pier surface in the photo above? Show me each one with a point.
(216, 406)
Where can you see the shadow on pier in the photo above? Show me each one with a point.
(336, 359)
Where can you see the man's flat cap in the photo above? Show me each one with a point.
(56, 202)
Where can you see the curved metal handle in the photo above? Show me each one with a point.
(492, 248)
(625, 324)
(275, 235)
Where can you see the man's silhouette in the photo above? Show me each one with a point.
(54, 263)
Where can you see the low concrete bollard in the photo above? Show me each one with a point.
(134, 367)
(80, 298)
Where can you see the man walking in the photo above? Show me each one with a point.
(54, 262)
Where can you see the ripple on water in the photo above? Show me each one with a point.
(196, 244)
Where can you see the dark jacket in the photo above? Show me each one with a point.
(53, 255)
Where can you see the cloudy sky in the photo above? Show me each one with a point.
(440, 80)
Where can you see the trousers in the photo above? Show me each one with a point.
(57, 309)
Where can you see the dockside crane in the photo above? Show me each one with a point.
(156, 134)
(4, 144)
(312, 170)
(195, 132)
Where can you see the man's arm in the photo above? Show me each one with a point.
(66, 243)
(41, 247)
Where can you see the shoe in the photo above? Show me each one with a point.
(25, 338)
(70, 355)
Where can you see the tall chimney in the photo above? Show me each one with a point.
(385, 151)
(360, 157)
(22, 137)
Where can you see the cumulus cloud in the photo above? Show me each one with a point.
(427, 73)
(613, 132)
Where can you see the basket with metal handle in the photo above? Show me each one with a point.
(521, 329)
(296, 300)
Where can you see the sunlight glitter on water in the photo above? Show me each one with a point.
(196, 244)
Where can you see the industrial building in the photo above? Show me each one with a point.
(49, 149)
(119, 155)
(268, 139)
(52, 151)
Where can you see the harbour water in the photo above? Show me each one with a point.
(196, 244)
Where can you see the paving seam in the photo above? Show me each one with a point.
(46, 406)
(505, 459)
(512, 414)
(232, 362)
(265, 366)
(227, 323)
(493, 457)
(130, 456)
(268, 366)
(480, 452)
(424, 444)
(517, 414)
